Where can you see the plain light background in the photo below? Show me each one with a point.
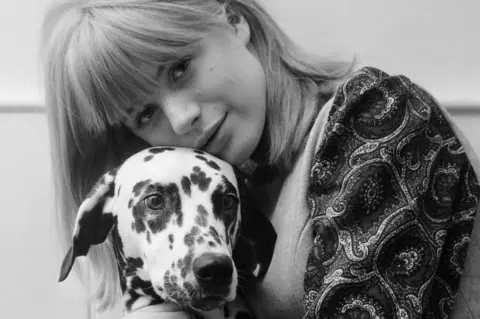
(435, 43)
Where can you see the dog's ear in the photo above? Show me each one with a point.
(254, 249)
(243, 182)
(93, 223)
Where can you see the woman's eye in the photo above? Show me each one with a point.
(179, 69)
(229, 201)
(154, 202)
(146, 115)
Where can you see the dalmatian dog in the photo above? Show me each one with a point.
(174, 216)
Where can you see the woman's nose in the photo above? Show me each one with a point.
(183, 114)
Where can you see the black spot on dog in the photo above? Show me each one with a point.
(195, 230)
(157, 220)
(227, 215)
(138, 283)
(212, 231)
(138, 224)
(199, 152)
(138, 188)
(170, 238)
(157, 150)
(148, 158)
(180, 263)
(186, 185)
(133, 297)
(133, 264)
(119, 254)
(96, 219)
(190, 236)
(149, 237)
(130, 203)
(212, 244)
(167, 285)
(180, 219)
(199, 178)
(118, 191)
(200, 240)
(170, 247)
(187, 263)
(210, 163)
(201, 218)
(145, 286)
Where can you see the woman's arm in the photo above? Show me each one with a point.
(393, 198)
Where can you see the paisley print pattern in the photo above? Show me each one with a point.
(393, 198)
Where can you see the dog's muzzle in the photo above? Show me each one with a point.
(214, 274)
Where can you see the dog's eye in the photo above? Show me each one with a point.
(229, 201)
(154, 202)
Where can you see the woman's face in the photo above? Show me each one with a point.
(214, 100)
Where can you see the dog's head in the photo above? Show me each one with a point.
(174, 216)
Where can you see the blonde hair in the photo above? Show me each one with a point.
(91, 55)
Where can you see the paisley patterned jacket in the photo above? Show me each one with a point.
(393, 198)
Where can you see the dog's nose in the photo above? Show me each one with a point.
(212, 269)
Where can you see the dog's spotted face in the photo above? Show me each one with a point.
(174, 216)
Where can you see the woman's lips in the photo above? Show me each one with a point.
(209, 133)
(210, 144)
(212, 137)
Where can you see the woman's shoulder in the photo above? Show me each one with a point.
(376, 84)
(390, 170)
(373, 114)
(374, 104)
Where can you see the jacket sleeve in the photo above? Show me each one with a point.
(393, 199)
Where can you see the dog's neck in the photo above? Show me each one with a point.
(137, 290)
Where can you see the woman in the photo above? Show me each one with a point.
(361, 173)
